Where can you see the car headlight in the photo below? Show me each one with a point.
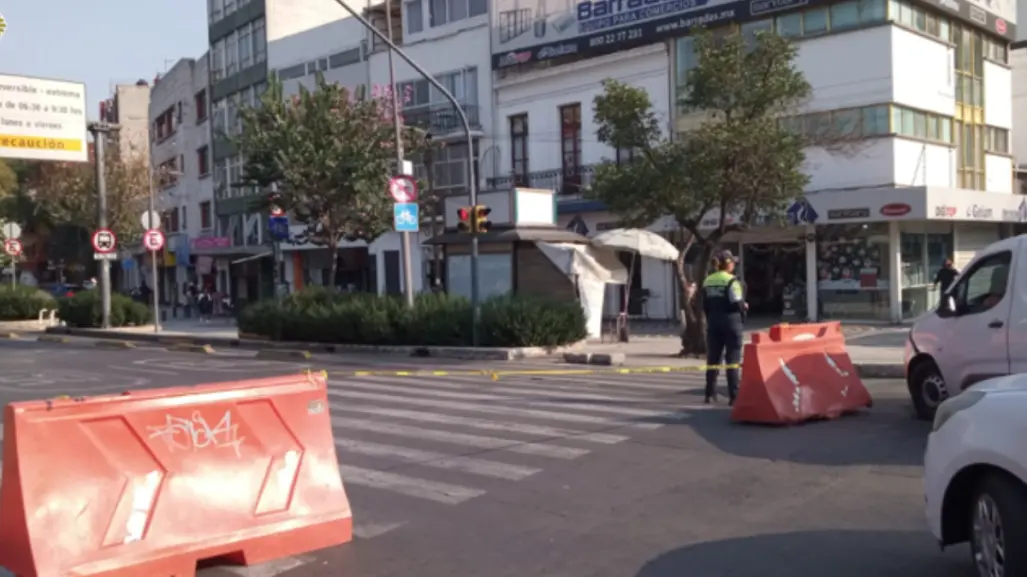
(953, 405)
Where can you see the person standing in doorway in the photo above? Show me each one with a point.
(725, 307)
(946, 276)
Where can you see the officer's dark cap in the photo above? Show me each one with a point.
(725, 256)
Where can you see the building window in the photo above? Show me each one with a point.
(184, 218)
(292, 72)
(232, 114)
(868, 121)
(231, 53)
(996, 50)
(921, 125)
(245, 46)
(513, 23)
(217, 60)
(969, 122)
(519, 148)
(916, 18)
(996, 140)
(442, 12)
(200, 102)
(259, 41)
(463, 85)
(624, 155)
(570, 147)
(415, 16)
(205, 215)
(217, 10)
(230, 6)
(345, 58)
(219, 112)
(203, 160)
(221, 179)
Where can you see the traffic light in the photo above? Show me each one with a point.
(464, 225)
(480, 219)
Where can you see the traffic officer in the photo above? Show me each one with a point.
(725, 307)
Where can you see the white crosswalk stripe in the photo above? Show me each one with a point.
(445, 440)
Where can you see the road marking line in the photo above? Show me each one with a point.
(633, 385)
(271, 568)
(481, 467)
(504, 398)
(373, 530)
(481, 442)
(465, 384)
(142, 370)
(409, 486)
(484, 424)
(492, 409)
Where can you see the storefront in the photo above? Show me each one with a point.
(869, 255)
(873, 254)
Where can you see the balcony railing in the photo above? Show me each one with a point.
(572, 180)
(440, 119)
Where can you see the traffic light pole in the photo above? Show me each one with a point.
(472, 184)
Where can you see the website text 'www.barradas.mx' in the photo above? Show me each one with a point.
(685, 24)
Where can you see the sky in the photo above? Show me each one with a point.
(101, 43)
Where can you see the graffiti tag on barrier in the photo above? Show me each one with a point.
(196, 434)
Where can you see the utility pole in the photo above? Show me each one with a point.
(397, 121)
(429, 165)
(100, 130)
(151, 217)
(472, 183)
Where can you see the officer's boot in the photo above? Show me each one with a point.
(711, 387)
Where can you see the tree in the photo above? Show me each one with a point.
(328, 155)
(66, 193)
(740, 164)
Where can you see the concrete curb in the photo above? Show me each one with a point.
(190, 348)
(880, 370)
(114, 344)
(53, 339)
(601, 359)
(282, 355)
(10, 336)
(463, 353)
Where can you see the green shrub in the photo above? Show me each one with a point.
(320, 316)
(84, 310)
(22, 303)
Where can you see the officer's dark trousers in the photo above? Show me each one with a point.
(723, 346)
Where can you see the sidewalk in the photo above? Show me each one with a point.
(876, 350)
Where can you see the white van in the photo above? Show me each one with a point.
(978, 331)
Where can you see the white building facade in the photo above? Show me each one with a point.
(927, 86)
(180, 155)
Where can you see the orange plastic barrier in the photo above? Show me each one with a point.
(145, 484)
(794, 373)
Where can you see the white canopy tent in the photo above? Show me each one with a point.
(591, 269)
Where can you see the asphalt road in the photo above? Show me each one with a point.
(569, 476)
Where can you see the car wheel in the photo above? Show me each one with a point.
(998, 527)
(927, 390)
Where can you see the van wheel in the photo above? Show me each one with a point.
(927, 390)
(998, 527)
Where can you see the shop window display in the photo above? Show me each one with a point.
(852, 273)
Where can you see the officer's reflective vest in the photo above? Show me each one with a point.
(717, 291)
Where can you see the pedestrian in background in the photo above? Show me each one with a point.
(725, 307)
(946, 276)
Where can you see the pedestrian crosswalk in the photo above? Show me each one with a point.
(446, 440)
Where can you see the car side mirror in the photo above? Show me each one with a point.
(947, 305)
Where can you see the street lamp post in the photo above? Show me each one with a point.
(472, 185)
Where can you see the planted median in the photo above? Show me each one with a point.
(316, 315)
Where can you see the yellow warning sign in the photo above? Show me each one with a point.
(40, 143)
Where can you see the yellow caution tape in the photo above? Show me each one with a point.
(496, 375)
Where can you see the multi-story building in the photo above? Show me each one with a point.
(444, 38)
(181, 160)
(128, 107)
(928, 101)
